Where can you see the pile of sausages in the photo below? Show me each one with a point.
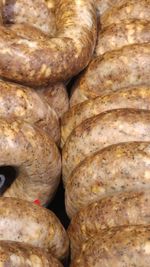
(105, 139)
(43, 44)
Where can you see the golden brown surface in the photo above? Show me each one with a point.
(98, 132)
(128, 66)
(117, 168)
(57, 97)
(23, 255)
(32, 12)
(120, 34)
(36, 158)
(103, 5)
(136, 97)
(18, 102)
(24, 222)
(127, 9)
(43, 60)
(127, 208)
(122, 246)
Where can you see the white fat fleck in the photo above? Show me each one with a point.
(147, 175)
(147, 247)
(30, 44)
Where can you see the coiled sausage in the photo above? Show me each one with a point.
(41, 60)
(36, 158)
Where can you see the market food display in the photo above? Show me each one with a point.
(105, 140)
(43, 45)
(98, 141)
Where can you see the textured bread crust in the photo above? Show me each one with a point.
(57, 97)
(127, 208)
(17, 254)
(120, 167)
(124, 98)
(127, 9)
(128, 66)
(24, 222)
(39, 60)
(98, 132)
(19, 102)
(124, 33)
(36, 158)
(122, 246)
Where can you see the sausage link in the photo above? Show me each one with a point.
(117, 168)
(122, 246)
(32, 12)
(44, 61)
(127, 208)
(19, 102)
(128, 66)
(17, 254)
(124, 98)
(24, 147)
(25, 222)
(96, 133)
(127, 9)
(124, 33)
(57, 97)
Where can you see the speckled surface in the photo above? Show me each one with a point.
(128, 66)
(98, 132)
(126, 9)
(29, 12)
(28, 107)
(24, 147)
(23, 255)
(31, 224)
(118, 168)
(126, 246)
(57, 97)
(38, 61)
(130, 208)
(120, 34)
(132, 97)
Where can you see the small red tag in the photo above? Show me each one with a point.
(37, 202)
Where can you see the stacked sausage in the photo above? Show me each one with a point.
(42, 45)
(106, 143)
